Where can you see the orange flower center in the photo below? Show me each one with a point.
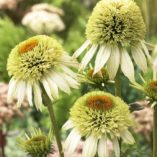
(153, 86)
(99, 102)
(27, 46)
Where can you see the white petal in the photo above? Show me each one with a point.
(21, 91)
(102, 147)
(68, 125)
(37, 96)
(68, 71)
(11, 90)
(29, 93)
(47, 88)
(146, 51)
(101, 58)
(116, 147)
(139, 58)
(86, 59)
(53, 88)
(70, 81)
(113, 62)
(90, 147)
(127, 137)
(72, 142)
(81, 49)
(61, 83)
(127, 65)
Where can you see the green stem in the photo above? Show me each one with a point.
(55, 128)
(118, 93)
(155, 133)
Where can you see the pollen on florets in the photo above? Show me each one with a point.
(116, 22)
(150, 89)
(99, 102)
(28, 45)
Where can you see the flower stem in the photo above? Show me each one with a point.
(155, 133)
(118, 93)
(55, 128)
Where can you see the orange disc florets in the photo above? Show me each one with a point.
(99, 102)
(153, 86)
(27, 46)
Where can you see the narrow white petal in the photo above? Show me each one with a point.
(61, 83)
(68, 125)
(47, 88)
(139, 58)
(11, 90)
(116, 147)
(101, 58)
(127, 65)
(146, 51)
(113, 62)
(90, 147)
(81, 49)
(53, 88)
(127, 137)
(37, 96)
(86, 59)
(70, 81)
(72, 142)
(29, 93)
(68, 71)
(21, 91)
(102, 147)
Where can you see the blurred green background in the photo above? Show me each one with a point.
(75, 17)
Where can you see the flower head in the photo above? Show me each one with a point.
(38, 61)
(98, 117)
(36, 143)
(113, 27)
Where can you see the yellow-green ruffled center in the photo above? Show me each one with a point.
(33, 58)
(98, 113)
(116, 22)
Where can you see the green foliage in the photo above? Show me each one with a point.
(10, 35)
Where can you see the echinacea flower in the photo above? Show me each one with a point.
(98, 117)
(39, 62)
(36, 143)
(114, 28)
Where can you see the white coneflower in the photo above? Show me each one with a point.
(38, 61)
(114, 27)
(97, 116)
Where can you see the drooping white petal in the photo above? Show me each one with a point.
(101, 58)
(37, 96)
(29, 93)
(81, 49)
(102, 147)
(11, 90)
(116, 147)
(20, 91)
(70, 81)
(53, 88)
(72, 142)
(61, 83)
(139, 58)
(146, 51)
(86, 59)
(90, 147)
(127, 65)
(68, 125)
(47, 88)
(68, 71)
(113, 62)
(127, 137)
